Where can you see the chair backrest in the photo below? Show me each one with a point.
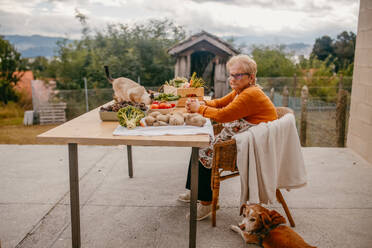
(225, 152)
(281, 111)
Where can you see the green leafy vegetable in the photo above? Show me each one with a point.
(130, 116)
(166, 97)
(196, 82)
(177, 82)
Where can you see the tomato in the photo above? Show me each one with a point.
(155, 102)
(173, 105)
(154, 106)
(164, 105)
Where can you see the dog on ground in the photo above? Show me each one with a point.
(264, 227)
(128, 90)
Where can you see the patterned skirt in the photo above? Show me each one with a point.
(229, 130)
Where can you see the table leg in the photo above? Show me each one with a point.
(74, 194)
(194, 196)
(130, 164)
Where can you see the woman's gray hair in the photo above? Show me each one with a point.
(248, 64)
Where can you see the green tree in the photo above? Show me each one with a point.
(323, 48)
(38, 66)
(135, 52)
(340, 51)
(10, 62)
(319, 76)
(344, 49)
(273, 62)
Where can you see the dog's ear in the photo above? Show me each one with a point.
(265, 219)
(271, 218)
(242, 208)
(276, 218)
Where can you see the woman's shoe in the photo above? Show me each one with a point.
(203, 211)
(185, 197)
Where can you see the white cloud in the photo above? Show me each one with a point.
(18, 7)
(232, 17)
(111, 3)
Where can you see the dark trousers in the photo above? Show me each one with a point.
(204, 186)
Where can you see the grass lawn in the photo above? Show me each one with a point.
(13, 132)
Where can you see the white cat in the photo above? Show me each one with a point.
(128, 90)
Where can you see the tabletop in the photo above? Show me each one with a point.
(88, 129)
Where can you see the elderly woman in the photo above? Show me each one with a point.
(245, 106)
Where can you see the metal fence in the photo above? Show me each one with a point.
(321, 115)
(77, 101)
(322, 103)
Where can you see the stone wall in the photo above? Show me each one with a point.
(360, 123)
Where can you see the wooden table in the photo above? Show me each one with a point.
(88, 129)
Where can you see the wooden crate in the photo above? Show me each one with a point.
(52, 113)
(182, 101)
(183, 92)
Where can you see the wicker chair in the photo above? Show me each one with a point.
(224, 160)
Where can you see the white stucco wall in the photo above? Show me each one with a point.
(360, 123)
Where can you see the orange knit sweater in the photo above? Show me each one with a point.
(251, 104)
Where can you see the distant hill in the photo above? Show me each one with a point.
(298, 47)
(35, 45)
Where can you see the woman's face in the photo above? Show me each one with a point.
(239, 79)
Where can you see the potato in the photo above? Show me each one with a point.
(164, 118)
(149, 120)
(162, 123)
(154, 114)
(195, 120)
(176, 119)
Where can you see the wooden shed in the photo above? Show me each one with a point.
(206, 55)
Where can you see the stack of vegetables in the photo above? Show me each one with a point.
(130, 117)
(175, 119)
(181, 82)
(194, 88)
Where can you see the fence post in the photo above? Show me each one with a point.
(341, 117)
(86, 94)
(294, 84)
(285, 97)
(272, 92)
(340, 83)
(304, 96)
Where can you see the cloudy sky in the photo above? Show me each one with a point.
(302, 20)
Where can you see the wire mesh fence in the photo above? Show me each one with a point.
(321, 104)
(76, 101)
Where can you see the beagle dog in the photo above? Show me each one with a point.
(263, 227)
(128, 90)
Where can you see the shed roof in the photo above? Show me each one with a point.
(203, 36)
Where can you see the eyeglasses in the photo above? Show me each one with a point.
(238, 76)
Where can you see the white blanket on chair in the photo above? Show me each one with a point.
(269, 156)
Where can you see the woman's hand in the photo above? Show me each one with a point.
(192, 105)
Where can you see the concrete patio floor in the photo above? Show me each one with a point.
(333, 210)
